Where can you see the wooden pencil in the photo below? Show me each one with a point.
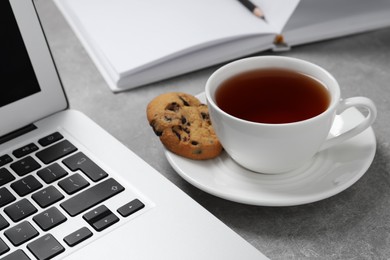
(253, 8)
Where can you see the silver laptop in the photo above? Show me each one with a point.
(69, 190)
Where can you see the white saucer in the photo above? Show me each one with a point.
(329, 173)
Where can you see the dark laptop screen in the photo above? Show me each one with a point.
(16, 71)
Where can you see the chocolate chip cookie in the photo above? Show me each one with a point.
(183, 125)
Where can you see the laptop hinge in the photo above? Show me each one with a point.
(17, 133)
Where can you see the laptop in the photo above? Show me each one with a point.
(69, 190)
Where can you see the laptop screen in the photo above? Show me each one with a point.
(15, 65)
(31, 88)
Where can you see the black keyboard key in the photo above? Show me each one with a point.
(21, 233)
(92, 196)
(73, 184)
(78, 236)
(52, 173)
(80, 161)
(5, 159)
(52, 138)
(25, 165)
(105, 222)
(6, 197)
(56, 151)
(26, 185)
(131, 207)
(47, 196)
(96, 214)
(49, 218)
(45, 247)
(17, 255)
(5, 176)
(20, 210)
(27, 149)
(100, 218)
(3, 223)
(3, 247)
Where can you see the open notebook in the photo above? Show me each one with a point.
(69, 190)
(137, 42)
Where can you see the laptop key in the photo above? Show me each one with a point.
(47, 196)
(100, 218)
(51, 173)
(3, 223)
(6, 197)
(45, 247)
(5, 159)
(20, 210)
(80, 161)
(21, 233)
(96, 214)
(27, 149)
(5, 176)
(52, 138)
(92, 196)
(56, 151)
(26, 185)
(78, 236)
(49, 218)
(73, 183)
(131, 207)
(105, 222)
(16, 255)
(3, 247)
(25, 165)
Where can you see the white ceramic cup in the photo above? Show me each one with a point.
(278, 148)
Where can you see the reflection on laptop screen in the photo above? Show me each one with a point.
(15, 65)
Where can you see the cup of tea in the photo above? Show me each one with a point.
(272, 114)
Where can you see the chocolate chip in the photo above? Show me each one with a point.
(183, 120)
(173, 107)
(184, 101)
(194, 142)
(205, 116)
(168, 119)
(154, 127)
(176, 130)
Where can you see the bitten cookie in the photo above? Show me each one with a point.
(183, 124)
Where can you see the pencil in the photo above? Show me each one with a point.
(253, 8)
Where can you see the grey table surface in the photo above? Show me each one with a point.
(354, 224)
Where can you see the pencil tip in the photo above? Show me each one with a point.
(259, 13)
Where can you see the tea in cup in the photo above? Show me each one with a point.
(272, 114)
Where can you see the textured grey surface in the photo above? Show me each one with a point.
(354, 224)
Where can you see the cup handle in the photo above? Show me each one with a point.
(344, 104)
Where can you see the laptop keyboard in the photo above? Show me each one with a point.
(44, 185)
